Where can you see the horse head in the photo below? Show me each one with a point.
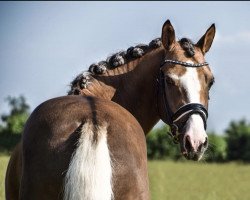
(185, 79)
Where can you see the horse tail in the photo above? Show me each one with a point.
(89, 176)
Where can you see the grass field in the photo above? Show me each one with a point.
(188, 180)
(3, 165)
(196, 181)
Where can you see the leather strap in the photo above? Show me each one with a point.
(172, 118)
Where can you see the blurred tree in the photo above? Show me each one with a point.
(217, 151)
(238, 140)
(161, 146)
(13, 123)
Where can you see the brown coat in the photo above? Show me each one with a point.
(49, 140)
(134, 85)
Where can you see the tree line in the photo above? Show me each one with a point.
(233, 145)
(12, 124)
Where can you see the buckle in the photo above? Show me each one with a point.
(174, 133)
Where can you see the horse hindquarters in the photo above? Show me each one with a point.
(121, 178)
(114, 164)
(128, 149)
(80, 148)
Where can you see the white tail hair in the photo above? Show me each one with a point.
(89, 176)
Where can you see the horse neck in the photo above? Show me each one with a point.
(133, 86)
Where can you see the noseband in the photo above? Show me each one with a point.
(173, 118)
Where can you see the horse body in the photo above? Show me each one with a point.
(85, 146)
(110, 88)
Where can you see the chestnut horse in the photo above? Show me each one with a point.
(91, 144)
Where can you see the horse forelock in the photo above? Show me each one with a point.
(188, 46)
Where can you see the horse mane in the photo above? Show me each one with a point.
(121, 58)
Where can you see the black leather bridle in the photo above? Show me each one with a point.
(173, 118)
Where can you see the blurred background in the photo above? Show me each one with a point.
(44, 45)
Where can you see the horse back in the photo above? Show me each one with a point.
(55, 137)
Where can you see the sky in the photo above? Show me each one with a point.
(44, 45)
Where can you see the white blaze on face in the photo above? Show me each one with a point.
(195, 125)
(191, 83)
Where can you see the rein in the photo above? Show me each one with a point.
(172, 118)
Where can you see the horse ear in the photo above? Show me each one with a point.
(207, 39)
(168, 35)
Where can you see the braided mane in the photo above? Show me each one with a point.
(112, 62)
(121, 58)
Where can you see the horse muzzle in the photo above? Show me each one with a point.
(193, 140)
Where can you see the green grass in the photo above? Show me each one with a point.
(3, 165)
(190, 180)
(187, 180)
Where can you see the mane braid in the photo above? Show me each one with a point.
(122, 57)
(112, 62)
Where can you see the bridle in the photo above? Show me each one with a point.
(173, 118)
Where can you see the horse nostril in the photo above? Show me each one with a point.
(187, 144)
(205, 143)
(200, 147)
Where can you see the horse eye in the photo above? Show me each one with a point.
(211, 83)
(169, 80)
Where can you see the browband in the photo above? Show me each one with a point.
(186, 64)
